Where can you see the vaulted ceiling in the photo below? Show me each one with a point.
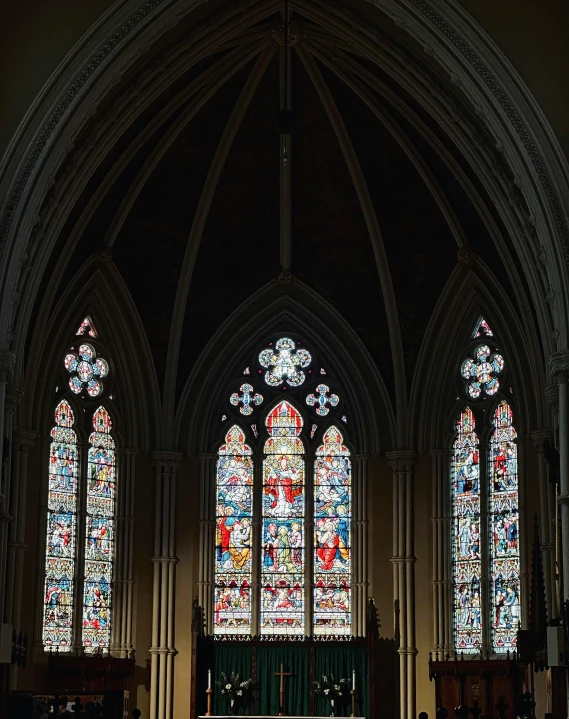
(187, 199)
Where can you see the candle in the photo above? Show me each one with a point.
(209, 678)
(354, 679)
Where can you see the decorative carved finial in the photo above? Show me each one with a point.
(294, 34)
(286, 278)
(466, 256)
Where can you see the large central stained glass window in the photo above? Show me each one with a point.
(283, 534)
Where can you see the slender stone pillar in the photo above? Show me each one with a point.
(442, 574)
(11, 497)
(207, 538)
(403, 559)
(162, 651)
(360, 553)
(23, 440)
(559, 365)
(7, 360)
(540, 438)
(123, 576)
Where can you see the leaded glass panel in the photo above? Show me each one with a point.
(332, 536)
(234, 540)
(504, 530)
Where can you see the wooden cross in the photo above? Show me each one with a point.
(282, 674)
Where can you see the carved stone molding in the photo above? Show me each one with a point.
(540, 437)
(402, 460)
(7, 364)
(167, 461)
(24, 439)
(559, 366)
(552, 394)
(13, 398)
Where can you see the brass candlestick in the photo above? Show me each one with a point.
(209, 692)
(353, 693)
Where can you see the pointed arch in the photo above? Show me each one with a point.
(332, 537)
(60, 568)
(235, 542)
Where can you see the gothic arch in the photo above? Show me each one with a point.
(472, 291)
(487, 79)
(100, 293)
(372, 425)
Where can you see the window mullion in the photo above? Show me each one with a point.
(257, 544)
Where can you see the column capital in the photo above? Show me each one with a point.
(13, 397)
(559, 366)
(362, 457)
(204, 456)
(25, 438)
(166, 461)
(7, 364)
(540, 437)
(552, 395)
(401, 459)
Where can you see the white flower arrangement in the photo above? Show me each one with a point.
(330, 687)
(235, 690)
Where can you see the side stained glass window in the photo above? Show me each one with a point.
(504, 530)
(234, 540)
(61, 531)
(99, 534)
(466, 535)
(283, 509)
(332, 540)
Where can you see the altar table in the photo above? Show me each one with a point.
(265, 716)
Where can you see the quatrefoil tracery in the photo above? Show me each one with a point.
(248, 399)
(322, 399)
(481, 372)
(87, 370)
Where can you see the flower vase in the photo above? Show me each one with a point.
(232, 707)
(332, 712)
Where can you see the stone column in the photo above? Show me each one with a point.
(207, 538)
(11, 491)
(23, 440)
(559, 365)
(540, 438)
(442, 573)
(309, 546)
(7, 361)
(123, 576)
(162, 651)
(360, 553)
(403, 559)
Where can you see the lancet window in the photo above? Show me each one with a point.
(283, 520)
(81, 506)
(485, 506)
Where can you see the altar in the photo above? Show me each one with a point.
(264, 716)
(368, 665)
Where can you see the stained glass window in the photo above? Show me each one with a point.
(234, 539)
(482, 328)
(61, 531)
(88, 327)
(99, 534)
(285, 363)
(481, 372)
(332, 536)
(87, 370)
(466, 535)
(504, 530)
(282, 558)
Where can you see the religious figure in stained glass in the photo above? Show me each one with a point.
(61, 531)
(282, 571)
(99, 534)
(332, 541)
(234, 540)
(466, 535)
(504, 530)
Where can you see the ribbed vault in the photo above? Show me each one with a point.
(181, 191)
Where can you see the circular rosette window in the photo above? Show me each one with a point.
(481, 372)
(87, 370)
